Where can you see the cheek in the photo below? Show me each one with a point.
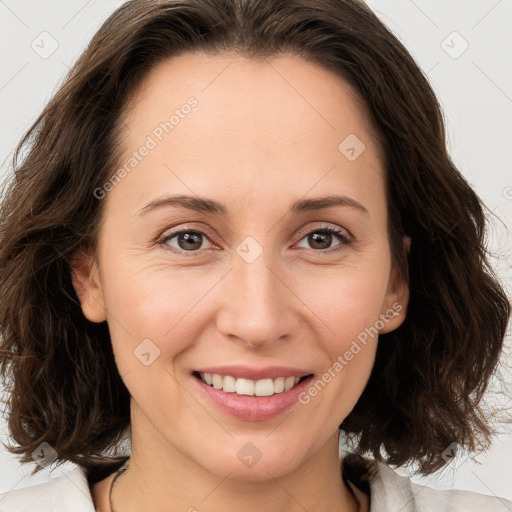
(348, 305)
(345, 301)
(154, 318)
(350, 344)
(156, 309)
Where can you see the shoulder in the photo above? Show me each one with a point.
(66, 493)
(391, 491)
(390, 488)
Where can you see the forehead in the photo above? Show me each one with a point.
(234, 120)
(283, 84)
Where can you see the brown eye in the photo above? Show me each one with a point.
(186, 240)
(320, 239)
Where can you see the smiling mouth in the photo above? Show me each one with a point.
(248, 387)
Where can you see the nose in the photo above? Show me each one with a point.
(257, 304)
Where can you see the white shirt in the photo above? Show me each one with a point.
(390, 492)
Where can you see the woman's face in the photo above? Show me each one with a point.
(213, 258)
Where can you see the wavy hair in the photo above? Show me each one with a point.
(429, 375)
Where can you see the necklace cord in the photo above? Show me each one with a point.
(119, 472)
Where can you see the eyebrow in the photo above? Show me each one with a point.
(204, 205)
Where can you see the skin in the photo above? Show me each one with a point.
(263, 135)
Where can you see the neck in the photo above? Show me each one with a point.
(162, 480)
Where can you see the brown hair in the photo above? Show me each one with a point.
(429, 375)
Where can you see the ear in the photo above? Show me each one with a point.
(397, 296)
(87, 284)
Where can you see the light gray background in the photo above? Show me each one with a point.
(39, 40)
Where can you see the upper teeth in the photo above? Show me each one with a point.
(263, 387)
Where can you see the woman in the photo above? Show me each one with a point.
(237, 231)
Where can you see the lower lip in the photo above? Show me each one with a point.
(253, 408)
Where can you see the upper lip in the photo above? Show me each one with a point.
(246, 372)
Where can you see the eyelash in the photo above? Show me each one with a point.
(343, 238)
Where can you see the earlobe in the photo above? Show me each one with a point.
(397, 296)
(393, 317)
(87, 284)
(396, 307)
(407, 244)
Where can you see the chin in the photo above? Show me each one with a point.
(254, 461)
